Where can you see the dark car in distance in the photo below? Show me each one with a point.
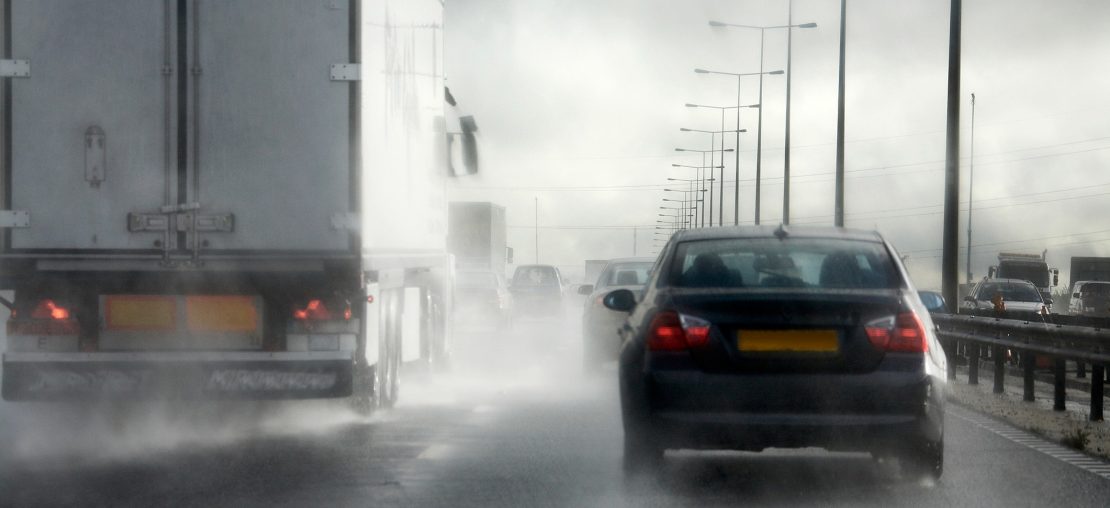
(537, 291)
(482, 296)
(754, 337)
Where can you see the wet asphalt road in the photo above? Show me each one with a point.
(513, 424)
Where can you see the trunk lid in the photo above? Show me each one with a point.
(788, 330)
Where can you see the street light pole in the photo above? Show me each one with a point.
(760, 126)
(710, 168)
(759, 138)
(970, 187)
(786, 142)
(838, 199)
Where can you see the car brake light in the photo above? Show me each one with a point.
(902, 333)
(696, 329)
(47, 309)
(671, 331)
(317, 310)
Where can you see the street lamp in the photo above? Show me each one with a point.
(736, 164)
(759, 135)
(711, 178)
(699, 177)
(694, 202)
(721, 185)
(789, 26)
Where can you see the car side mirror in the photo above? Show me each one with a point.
(1048, 301)
(585, 289)
(621, 300)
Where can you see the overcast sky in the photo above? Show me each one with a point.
(580, 104)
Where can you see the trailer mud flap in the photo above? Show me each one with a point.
(24, 381)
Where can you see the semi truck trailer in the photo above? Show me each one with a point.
(223, 199)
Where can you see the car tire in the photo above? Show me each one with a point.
(926, 460)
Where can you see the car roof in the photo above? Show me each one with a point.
(730, 232)
(1009, 281)
(631, 260)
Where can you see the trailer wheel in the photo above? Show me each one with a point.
(387, 372)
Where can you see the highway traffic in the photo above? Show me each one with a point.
(517, 428)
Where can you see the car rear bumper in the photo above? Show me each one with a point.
(759, 431)
(191, 375)
(870, 411)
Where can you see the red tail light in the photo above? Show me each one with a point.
(671, 331)
(902, 333)
(317, 310)
(47, 309)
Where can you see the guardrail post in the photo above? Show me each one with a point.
(1081, 370)
(973, 365)
(999, 355)
(1096, 392)
(1028, 362)
(1059, 375)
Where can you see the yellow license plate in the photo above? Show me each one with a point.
(790, 341)
(134, 313)
(229, 313)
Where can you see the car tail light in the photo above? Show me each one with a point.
(318, 310)
(671, 331)
(902, 333)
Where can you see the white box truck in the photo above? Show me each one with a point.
(234, 198)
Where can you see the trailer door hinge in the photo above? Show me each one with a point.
(344, 221)
(345, 72)
(15, 219)
(15, 68)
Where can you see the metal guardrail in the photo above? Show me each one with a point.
(1029, 339)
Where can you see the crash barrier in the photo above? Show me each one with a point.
(1056, 343)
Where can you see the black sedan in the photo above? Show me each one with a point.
(756, 337)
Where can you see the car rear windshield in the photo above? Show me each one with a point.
(535, 276)
(1010, 291)
(787, 263)
(625, 274)
(1095, 290)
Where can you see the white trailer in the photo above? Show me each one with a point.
(234, 198)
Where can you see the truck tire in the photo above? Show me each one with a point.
(387, 375)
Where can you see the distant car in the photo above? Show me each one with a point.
(754, 337)
(1090, 298)
(482, 296)
(933, 301)
(600, 342)
(1021, 298)
(537, 291)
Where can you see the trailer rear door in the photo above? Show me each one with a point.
(273, 126)
(88, 140)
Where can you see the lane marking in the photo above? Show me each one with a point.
(1092, 465)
